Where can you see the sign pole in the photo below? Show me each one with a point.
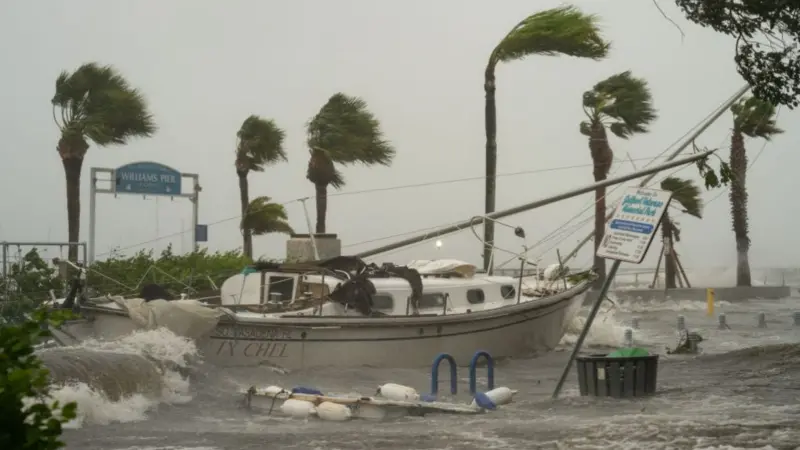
(627, 237)
(592, 314)
(92, 214)
(195, 213)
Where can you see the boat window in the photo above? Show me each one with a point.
(280, 285)
(508, 291)
(475, 296)
(382, 301)
(431, 300)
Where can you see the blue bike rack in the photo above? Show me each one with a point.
(473, 379)
(435, 374)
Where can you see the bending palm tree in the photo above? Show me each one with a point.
(264, 217)
(687, 195)
(343, 132)
(754, 118)
(623, 104)
(260, 143)
(558, 31)
(93, 103)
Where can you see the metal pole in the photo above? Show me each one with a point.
(310, 231)
(589, 319)
(92, 213)
(195, 212)
(533, 205)
(743, 90)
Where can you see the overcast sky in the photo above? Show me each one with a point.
(206, 65)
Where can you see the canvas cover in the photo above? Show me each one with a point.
(187, 318)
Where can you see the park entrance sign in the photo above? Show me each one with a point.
(143, 178)
(631, 229)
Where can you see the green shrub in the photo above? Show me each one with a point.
(27, 420)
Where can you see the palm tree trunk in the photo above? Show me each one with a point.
(244, 199)
(322, 206)
(670, 268)
(490, 116)
(601, 159)
(72, 172)
(738, 196)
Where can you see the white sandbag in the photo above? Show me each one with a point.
(298, 408)
(499, 396)
(333, 411)
(398, 392)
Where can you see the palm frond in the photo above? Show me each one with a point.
(625, 100)
(686, 193)
(263, 217)
(322, 170)
(564, 30)
(755, 118)
(260, 143)
(98, 102)
(349, 133)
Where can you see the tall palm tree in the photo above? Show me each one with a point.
(754, 118)
(93, 103)
(687, 195)
(623, 105)
(343, 132)
(259, 144)
(264, 217)
(558, 31)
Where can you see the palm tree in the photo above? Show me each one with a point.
(558, 31)
(623, 104)
(687, 195)
(756, 119)
(93, 103)
(264, 217)
(343, 132)
(259, 144)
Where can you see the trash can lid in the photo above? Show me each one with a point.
(628, 352)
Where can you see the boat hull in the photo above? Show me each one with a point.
(408, 341)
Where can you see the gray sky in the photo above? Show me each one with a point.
(206, 65)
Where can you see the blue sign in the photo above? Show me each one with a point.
(629, 225)
(147, 178)
(201, 233)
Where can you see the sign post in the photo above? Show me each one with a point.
(142, 178)
(628, 236)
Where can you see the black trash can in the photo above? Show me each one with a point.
(601, 376)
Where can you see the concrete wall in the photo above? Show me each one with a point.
(299, 248)
(727, 294)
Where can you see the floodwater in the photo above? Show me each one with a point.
(741, 393)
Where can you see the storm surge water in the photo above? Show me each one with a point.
(121, 381)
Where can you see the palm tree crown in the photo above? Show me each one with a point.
(343, 132)
(755, 118)
(259, 144)
(265, 217)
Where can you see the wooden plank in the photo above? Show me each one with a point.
(641, 378)
(629, 384)
(614, 380)
(591, 377)
(583, 384)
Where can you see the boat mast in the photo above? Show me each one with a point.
(533, 205)
(688, 141)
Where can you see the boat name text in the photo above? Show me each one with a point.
(253, 349)
(239, 332)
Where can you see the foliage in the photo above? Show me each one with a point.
(96, 102)
(755, 118)
(191, 273)
(686, 193)
(710, 178)
(767, 37)
(344, 131)
(260, 143)
(563, 30)
(621, 102)
(27, 421)
(265, 217)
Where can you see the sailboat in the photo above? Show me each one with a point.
(345, 312)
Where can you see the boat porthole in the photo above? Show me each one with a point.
(421, 331)
(303, 335)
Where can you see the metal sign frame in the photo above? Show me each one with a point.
(193, 196)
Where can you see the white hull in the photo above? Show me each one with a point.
(393, 341)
